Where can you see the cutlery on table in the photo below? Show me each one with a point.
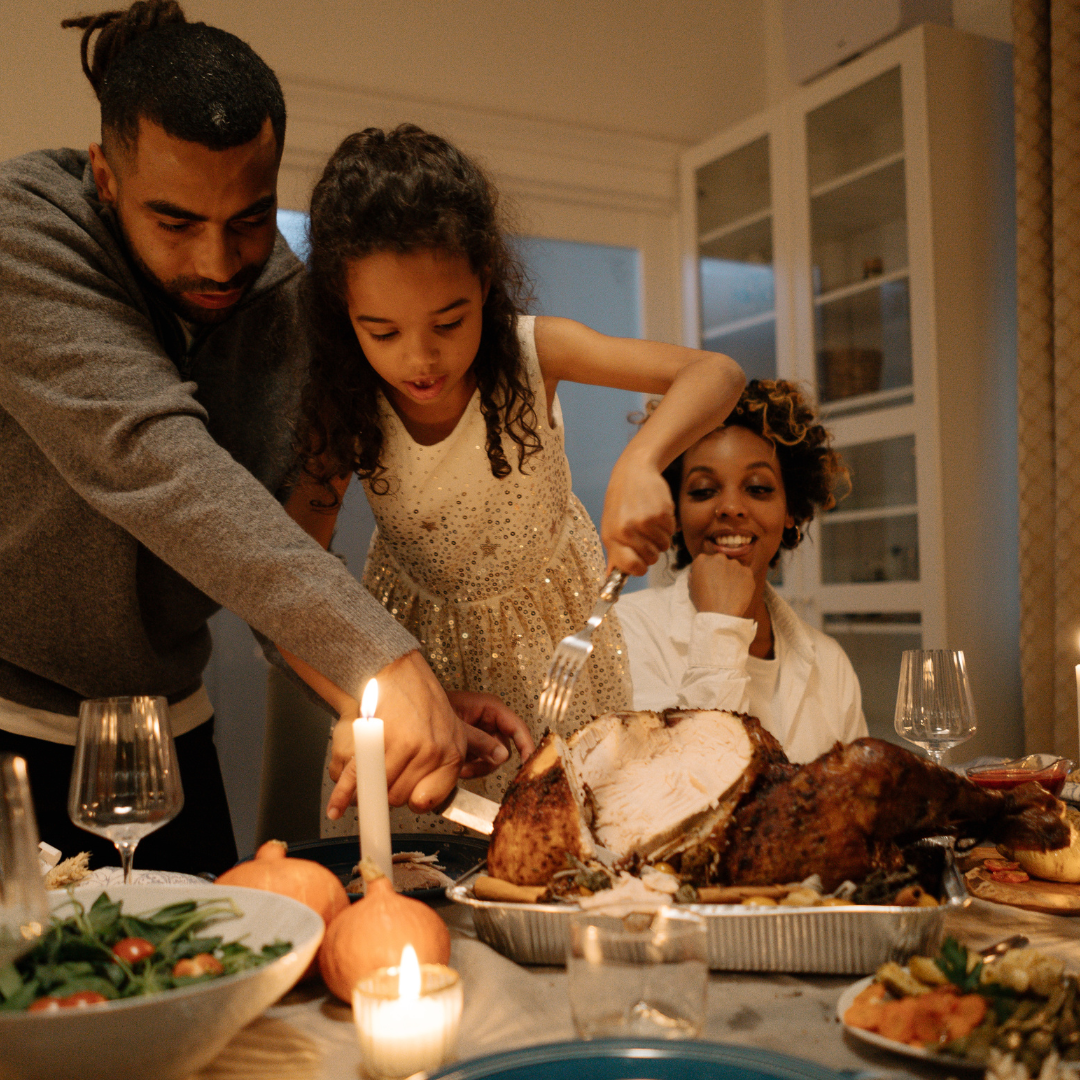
(572, 652)
(992, 952)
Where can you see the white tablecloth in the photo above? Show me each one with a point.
(310, 1036)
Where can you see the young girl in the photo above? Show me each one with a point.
(430, 383)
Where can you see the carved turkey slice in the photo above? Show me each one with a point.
(660, 781)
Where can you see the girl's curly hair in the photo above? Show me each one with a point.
(404, 191)
(813, 473)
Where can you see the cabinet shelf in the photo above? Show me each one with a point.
(859, 287)
(710, 332)
(723, 232)
(856, 174)
(871, 513)
(900, 395)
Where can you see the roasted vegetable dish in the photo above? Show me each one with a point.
(101, 954)
(1021, 1006)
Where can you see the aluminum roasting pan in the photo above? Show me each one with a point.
(854, 940)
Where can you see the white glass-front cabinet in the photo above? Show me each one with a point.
(859, 238)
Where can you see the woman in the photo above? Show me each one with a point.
(720, 636)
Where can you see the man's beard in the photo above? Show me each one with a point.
(171, 292)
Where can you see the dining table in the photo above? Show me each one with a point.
(309, 1034)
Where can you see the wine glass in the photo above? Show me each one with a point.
(934, 707)
(24, 911)
(125, 782)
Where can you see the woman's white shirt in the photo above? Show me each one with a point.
(808, 696)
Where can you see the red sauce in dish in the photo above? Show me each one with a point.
(1006, 779)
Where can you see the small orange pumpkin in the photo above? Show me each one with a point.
(371, 933)
(303, 880)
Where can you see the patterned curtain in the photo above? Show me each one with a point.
(1046, 39)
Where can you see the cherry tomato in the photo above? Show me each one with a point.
(203, 964)
(45, 1004)
(133, 949)
(82, 999)
(1010, 877)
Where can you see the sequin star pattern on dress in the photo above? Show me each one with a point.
(515, 567)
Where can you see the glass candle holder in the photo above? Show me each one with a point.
(403, 1034)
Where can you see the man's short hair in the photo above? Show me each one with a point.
(198, 83)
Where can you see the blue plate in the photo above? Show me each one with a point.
(457, 854)
(638, 1059)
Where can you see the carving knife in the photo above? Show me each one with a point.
(469, 809)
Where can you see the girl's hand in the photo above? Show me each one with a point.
(720, 584)
(639, 517)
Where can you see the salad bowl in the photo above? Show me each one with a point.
(173, 1033)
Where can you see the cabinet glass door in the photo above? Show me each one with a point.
(735, 258)
(872, 537)
(873, 534)
(874, 643)
(858, 239)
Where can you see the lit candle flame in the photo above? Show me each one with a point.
(370, 699)
(409, 975)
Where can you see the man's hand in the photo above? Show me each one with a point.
(426, 742)
(639, 517)
(720, 584)
(492, 728)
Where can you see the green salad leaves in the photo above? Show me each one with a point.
(92, 956)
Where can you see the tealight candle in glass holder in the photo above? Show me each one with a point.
(407, 1017)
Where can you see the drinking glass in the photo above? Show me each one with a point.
(24, 911)
(637, 973)
(125, 782)
(934, 708)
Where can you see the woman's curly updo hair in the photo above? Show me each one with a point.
(406, 191)
(813, 473)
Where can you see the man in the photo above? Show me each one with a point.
(151, 356)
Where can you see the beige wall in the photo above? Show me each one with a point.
(677, 71)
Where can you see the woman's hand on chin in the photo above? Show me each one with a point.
(722, 585)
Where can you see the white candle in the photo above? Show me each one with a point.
(1077, 705)
(407, 1018)
(373, 806)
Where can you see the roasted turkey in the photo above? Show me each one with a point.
(713, 794)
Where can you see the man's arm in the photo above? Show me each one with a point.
(84, 376)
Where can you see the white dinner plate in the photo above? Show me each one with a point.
(874, 1039)
(107, 876)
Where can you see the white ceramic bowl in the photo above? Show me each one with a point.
(174, 1033)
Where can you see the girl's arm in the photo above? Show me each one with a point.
(314, 505)
(700, 389)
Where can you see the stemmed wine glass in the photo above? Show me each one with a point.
(125, 782)
(24, 911)
(934, 707)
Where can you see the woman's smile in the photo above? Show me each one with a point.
(734, 545)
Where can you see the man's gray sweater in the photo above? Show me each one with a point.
(139, 480)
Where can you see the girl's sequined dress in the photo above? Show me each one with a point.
(490, 574)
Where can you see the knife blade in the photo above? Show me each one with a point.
(469, 809)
